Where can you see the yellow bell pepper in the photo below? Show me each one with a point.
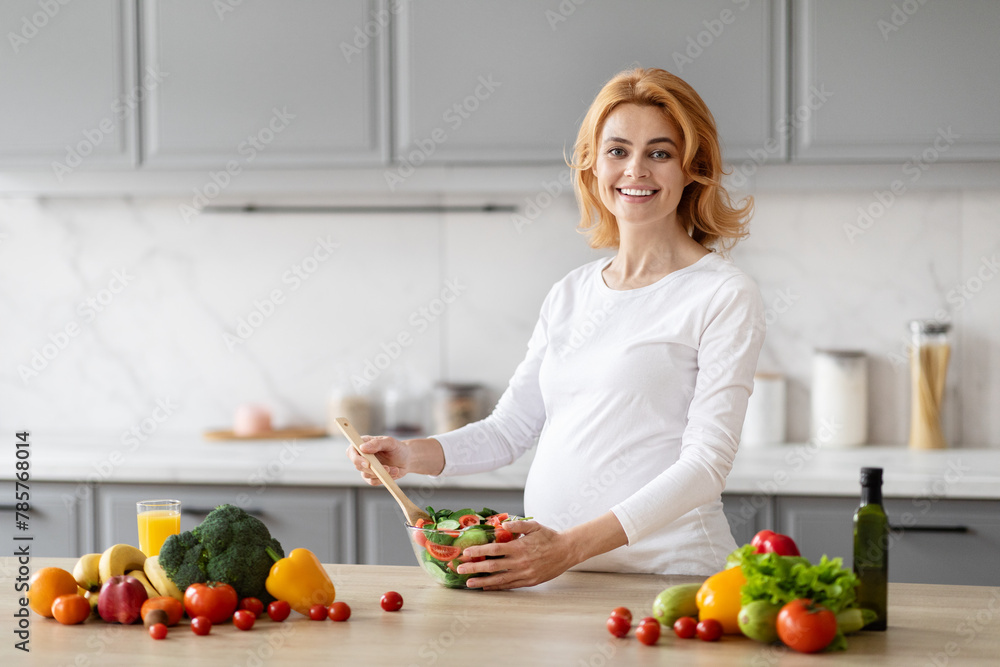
(719, 598)
(300, 580)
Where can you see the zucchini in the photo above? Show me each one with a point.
(675, 602)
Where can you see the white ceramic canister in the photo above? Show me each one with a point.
(765, 420)
(839, 398)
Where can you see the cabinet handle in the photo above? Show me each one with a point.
(205, 510)
(929, 529)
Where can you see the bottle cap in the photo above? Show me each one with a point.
(871, 476)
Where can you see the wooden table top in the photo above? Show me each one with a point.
(561, 622)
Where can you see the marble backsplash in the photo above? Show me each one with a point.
(116, 315)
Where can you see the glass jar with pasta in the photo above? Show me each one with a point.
(929, 354)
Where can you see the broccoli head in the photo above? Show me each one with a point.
(229, 546)
(184, 560)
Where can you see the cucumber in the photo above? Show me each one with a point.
(472, 537)
(448, 524)
(675, 602)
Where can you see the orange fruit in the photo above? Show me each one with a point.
(173, 608)
(71, 609)
(46, 585)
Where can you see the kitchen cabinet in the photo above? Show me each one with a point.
(382, 535)
(68, 75)
(748, 514)
(918, 83)
(934, 541)
(265, 84)
(510, 82)
(318, 519)
(61, 518)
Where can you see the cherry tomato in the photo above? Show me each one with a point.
(392, 601)
(317, 612)
(648, 619)
(443, 551)
(244, 619)
(215, 600)
(279, 610)
(648, 633)
(805, 626)
(201, 625)
(623, 612)
(158, 631)
(501, 534)
(618, 625)
(339, 611)
(709, 630)
(253, 605)
(685, 627)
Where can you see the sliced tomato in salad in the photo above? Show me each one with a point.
(501, 535)
(497, 519)
(467, 520)
(443, 552)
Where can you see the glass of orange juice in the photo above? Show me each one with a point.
(158, 520)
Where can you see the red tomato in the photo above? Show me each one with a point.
(423, 522)
(443, 552)
(392, 601)
(279, 610)
(467, 520)
(806, 627)
(317, 612)
(685, 627)
(496, 519)
(618, 625)
(201, 625)
(501, 534)
(759, 538)
(244, 619)
(339, 611)
(253, 605)
(623, 612)
(648, 633)
(158, 631)
(709, 630)
(214, 600)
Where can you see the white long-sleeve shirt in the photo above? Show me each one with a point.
(637, 398)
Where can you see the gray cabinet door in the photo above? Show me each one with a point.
(261, 83)
(932, 541)
(382, 535)
(510, 82)
(60, 519)
(748, 514)
(68, 79)
(885, 81)
(318, 519)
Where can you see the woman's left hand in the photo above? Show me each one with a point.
(538, 555)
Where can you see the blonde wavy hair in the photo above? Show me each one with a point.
(705, 209)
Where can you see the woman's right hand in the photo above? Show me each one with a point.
(393, 454)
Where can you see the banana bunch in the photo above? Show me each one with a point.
(93, 570)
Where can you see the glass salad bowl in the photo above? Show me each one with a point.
(440, 544)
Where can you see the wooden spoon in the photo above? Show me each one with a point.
(411, 511)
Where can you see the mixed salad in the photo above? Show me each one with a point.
(440, 541)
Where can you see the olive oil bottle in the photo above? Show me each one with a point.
(871, 548)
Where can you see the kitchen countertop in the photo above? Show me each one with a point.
(790, 469)
(561, 622)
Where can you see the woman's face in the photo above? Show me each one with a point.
(638, 168)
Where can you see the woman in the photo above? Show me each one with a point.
(639, 368)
